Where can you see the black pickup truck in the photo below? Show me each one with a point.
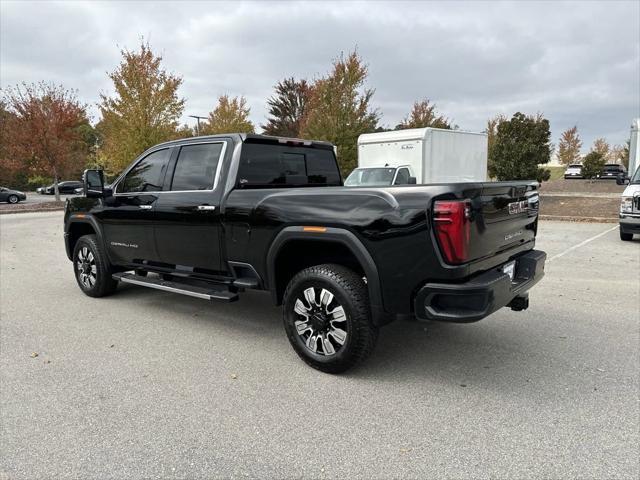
(213, 216)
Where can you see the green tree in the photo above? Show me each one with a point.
(423, 114)
(520, 146)
(287, 107)
(43, 131)
(569, 146)
(144, 110)
(339, 109)
(593, 164)
(231, 115)
(492, 132)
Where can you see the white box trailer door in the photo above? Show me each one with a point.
(452, 156)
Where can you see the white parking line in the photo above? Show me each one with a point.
(581, 244)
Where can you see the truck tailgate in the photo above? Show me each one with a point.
(503, 217)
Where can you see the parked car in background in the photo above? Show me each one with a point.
(67, 187)
(11, 196)
(612, 170)
(630, 206)
(380, 177)
(573, 171)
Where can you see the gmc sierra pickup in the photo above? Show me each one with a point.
(213, 216)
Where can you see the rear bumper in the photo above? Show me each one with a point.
(481, 295)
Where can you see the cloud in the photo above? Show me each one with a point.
(578, 63)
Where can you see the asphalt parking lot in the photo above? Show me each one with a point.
(146, 384)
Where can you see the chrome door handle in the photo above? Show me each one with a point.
(146, 207)
(206, 208)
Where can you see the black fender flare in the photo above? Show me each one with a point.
(86, 218)
(337, 235)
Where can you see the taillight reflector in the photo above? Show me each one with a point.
(453, 227)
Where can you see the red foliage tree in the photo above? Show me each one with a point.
(42, 128)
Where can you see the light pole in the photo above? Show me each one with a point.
(198, 119)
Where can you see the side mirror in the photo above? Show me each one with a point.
(93, 183)
(622, 179)
(412, 181)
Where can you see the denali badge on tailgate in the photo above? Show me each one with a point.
(517, 207)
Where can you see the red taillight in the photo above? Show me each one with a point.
(452, 226)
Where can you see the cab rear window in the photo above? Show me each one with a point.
(272, 166)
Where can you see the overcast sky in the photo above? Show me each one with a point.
(578, 63)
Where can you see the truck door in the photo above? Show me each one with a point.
(188, 219)
(128, 215)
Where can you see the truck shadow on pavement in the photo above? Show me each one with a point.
(491, 353)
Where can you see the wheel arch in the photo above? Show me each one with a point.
(78, 227)
(338, 246)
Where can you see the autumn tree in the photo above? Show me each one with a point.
(339, 109)
(521, 144)
(9, 165)
(230, 115)
(601, 146)
(185, 131)
(621, 153)
(144, 110)
(569, 146)
(423, 114)
(44, 130)
(287, 108)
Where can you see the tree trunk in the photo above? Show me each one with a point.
(55, 185)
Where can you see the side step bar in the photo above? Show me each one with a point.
(176, 287)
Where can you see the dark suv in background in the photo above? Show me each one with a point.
(612, 170)
(67, 187)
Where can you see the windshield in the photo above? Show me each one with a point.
(370, 177)
(636, 176)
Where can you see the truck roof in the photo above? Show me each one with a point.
(254, 138)
(406, 135)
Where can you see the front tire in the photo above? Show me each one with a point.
(13, 199)
(626, 237)
(327, 318)
(91, 268)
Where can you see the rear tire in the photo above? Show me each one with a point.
(13, 199)
(91, 268)
(626, 237)
(327, 318)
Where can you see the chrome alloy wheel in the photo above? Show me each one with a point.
(86, 265)
(322, 322)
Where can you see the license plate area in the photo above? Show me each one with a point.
(510, 269)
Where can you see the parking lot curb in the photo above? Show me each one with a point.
(32, 210)
(568, 218)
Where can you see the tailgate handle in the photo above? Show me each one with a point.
(146, 207)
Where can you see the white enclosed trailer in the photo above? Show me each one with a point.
(433, 155)
(634, 147)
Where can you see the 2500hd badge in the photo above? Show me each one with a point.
(211, 217)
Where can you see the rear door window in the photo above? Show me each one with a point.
(196, 167)
(266, 165)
